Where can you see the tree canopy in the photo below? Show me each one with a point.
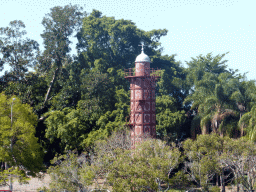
(76, 102)
(19, 146)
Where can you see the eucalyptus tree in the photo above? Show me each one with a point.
(59, 24)
(19, 54)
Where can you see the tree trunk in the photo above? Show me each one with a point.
(242, 130)
(50, 87)
(217, 180)
(222, 182)
(205, 130)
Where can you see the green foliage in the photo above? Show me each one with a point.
(69, 125)
(202, 158)
(4, 176)
(113, 43)
(211, 154)
(95, 81)
(168, 118)
(109, 45)
(180, 180)
(214, 189)
(249, 120)
(95, 116)
(20, 55)
(245, 96)
(19, 145)
(239, 155)
(213, 100)
(138, 170)
(30, 91)
(83, 100)
(201, 66)
(59, 24)
(16, 53)
(112, 120)
(96, 85)
(173, 80)
(119, 167)
(71, 173)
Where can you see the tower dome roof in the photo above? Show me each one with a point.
(142, 57)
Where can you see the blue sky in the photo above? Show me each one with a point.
(194, 26)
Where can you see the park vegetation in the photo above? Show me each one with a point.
(66, 115)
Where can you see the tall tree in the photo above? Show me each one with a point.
(85, 118)
(212, 98)
(204, 76)
(18, 54)
(59, 24)
(202, 158)
(207, 64)
(19, 145)
(245, 97)
(110, 45)
(21, 55)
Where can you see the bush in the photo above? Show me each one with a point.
(214, 189)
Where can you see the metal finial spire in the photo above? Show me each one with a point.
(142, 48)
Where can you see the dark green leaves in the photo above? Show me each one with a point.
(59, 25)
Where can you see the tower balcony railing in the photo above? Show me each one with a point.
(153, 72)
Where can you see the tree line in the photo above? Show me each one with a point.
(154, 165)
(72, 102)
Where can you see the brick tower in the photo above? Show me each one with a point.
(142, 80)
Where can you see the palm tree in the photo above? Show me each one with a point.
(215, 110)
(245, 98)
(248, 121)
(212, 96)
